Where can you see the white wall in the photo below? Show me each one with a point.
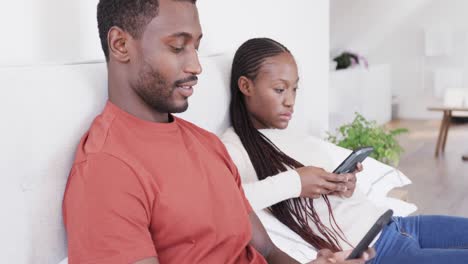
(414, 72)
(363, 90)
(17, 29)
(301, 25)
(393, 32)
(54, 32)
(361, 25)
(48, 31)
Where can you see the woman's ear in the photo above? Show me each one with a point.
(118, 44)
(245, 85)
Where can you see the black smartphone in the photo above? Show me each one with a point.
(349, 164)
(371, 234)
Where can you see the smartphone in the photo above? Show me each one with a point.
(350, 163)
(371, 234)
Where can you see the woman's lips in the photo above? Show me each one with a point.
(286, 116)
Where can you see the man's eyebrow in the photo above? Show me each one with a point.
(185, 35)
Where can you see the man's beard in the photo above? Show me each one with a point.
(156, 92)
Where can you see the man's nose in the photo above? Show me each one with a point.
(193, 65)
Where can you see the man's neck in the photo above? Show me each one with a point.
(139, 110)
(123, 96)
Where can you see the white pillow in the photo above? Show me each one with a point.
(377, 178)
(399, 207)
(45, 109)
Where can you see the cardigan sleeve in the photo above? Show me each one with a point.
(267, 192)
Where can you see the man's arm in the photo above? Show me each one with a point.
(105, 210)
(263, 244)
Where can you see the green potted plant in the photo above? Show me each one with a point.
(349, 59)
(361, 133)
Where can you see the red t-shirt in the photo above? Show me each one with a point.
(139, 189)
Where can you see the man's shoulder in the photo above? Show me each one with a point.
(102, 160)
(96, 138)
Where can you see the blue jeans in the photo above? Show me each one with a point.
(423, 240)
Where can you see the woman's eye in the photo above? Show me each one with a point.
(295, 89)
(279, 90)
(177, 49)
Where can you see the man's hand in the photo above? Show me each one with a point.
(325, 256)
(350, 183)
(316, 182)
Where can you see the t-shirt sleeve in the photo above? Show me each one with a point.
(239, 184)
(107, 213)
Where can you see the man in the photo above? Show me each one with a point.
(147, 187)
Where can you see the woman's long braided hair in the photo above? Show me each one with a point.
(268, 159)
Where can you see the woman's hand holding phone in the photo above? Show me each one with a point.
(316, 182)
(351, 182)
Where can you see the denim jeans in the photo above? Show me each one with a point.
(423, 240)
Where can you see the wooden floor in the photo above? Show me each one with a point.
(440, 185)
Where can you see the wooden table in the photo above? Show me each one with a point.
(444, 126)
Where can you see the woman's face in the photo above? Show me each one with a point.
(271, 96)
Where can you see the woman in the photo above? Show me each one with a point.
(323, 208)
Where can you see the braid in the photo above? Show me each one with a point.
(267, 158)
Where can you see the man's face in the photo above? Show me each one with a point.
(166, 66)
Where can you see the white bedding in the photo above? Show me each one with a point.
(291, 243)
(376, 180)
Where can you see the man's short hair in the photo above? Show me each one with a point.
(130, 15)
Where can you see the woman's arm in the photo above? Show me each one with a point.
(308, 181)
(272, 190)
(265, 193)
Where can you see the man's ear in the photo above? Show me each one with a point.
(245, 85)
(118, 41)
